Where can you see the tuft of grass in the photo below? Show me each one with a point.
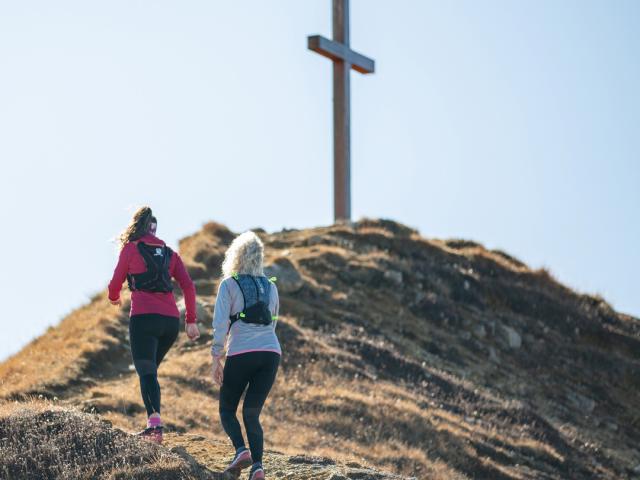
(43, 442)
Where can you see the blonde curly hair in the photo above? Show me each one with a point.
(245, 255)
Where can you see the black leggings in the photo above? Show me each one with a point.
(258, 371)
(151, 337)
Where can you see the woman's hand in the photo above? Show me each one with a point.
(217, 370)
(193, 332)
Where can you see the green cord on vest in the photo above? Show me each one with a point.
(274, 317)
(242, 315)
(235, 275)
(273, 279)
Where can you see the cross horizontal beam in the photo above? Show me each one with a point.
(339, 52)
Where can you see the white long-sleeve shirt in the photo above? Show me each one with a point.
(241, 337)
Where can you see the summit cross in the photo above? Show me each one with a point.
(344, 59)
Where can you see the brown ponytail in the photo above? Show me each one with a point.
(139, 226)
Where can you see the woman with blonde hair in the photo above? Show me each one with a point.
(244, 323)
(149, 265)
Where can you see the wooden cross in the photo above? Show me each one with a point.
(344, 59)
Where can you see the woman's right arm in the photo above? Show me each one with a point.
(221, 320)
(120, 274)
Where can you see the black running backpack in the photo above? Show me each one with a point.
(157, 278)
(256, 292)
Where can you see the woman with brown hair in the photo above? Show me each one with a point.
(149, 265)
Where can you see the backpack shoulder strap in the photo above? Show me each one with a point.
(267, 282)
(144, 252)
(168, 253)
(255, 284)
(244, 300)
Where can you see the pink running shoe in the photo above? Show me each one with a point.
(241, 461)
(257, 474)
(153, 434)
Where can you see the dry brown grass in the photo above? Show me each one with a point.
(384, 373)
(62, 355)
(42, 441)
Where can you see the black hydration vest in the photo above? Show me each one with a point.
(157, 278)
(256, 292)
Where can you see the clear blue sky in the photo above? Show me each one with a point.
(513, 123)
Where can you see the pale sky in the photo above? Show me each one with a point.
(512, 123)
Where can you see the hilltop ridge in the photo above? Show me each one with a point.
(431, 358)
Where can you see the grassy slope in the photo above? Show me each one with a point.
(396, 355)
(43, 441)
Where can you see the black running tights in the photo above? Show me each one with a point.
(151, 337)
(255, 371)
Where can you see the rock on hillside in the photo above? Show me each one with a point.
(438, 359)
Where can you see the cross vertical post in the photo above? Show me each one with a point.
(344, 59)
(341, 117)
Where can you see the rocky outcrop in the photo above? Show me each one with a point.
(287, 276)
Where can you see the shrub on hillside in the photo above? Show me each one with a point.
(63, 444)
